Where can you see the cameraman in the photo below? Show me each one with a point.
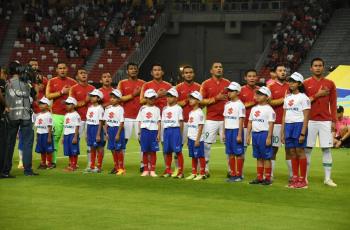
(3, 123)
(18, 96)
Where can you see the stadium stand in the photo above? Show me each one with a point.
(6, 10)
(296, 33)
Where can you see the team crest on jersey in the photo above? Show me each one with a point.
(291, 102)
(230, 111)
(190, 120)
(148, 115)
(111, 115)
(67, 120)
(40, 121)
(91, 114)
(257, 113)
(169, 115)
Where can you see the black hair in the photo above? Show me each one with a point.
(249, 70)
(276, 66)
(317, 59)
(61, 62)
(340, 109)
(156, 64)
(187, 67)
(131, 64)
(13, 67)
(301, 87)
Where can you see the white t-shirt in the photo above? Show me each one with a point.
(171, 116)
(42, 122)
(149, 116)
(195, 118)
(71, 121)
(260, 116)
(114, 115)
(294, 104)
(94, 115)
(233, 111)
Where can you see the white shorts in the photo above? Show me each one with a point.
(184, 133)
(212, 129)
(129, 125)
(324, 131)
(276, 136)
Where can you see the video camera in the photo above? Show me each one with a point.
(26, 73)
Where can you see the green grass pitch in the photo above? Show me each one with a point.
(61, 200)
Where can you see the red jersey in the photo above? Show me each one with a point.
(247, 96)
(211, 88)
(127, 87)
(80, 92)
(278, 91)
(40, 94)
(322, 108)
(56, 84)
(161, 102)
(184, 89)
(106, 94)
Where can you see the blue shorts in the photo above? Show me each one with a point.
(232, 147)
(292, 133)
(148, 140)
(41, 144)
(172, 140)
(69, 148)
(260, 150)
(195, 152)
(91, 132)
(112, 143)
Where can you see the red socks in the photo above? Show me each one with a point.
(43, 159)
(153, 161)
(99, 159)
(240, 162)
(194, 165)
(202, 164)
(115, 160)
(232, 163)
(168, 159)
(303, 167)
(120, 159)
(180, 160)
(295, 167)
(49, 158)
(145, 161)
(260, 173)
(268, 173)
(92, 158)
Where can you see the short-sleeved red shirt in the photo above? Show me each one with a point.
(161, 102)
(211, 88)
(322, 108)
(127, 87)
(184, 89)
(40, 95)
(247, 96)
(278, 91)
(80, 92)
(56, 84)
(106, 94)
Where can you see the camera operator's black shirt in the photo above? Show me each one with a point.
(2, 91)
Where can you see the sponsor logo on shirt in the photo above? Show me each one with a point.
(169, 115)
(148, 115)
(111, 115)
(230, 111)
(291, 102)
(91, 114)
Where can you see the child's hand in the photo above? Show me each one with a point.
(248, 139)
(106, 137)
(75, 140)
(223, 138)
(239, 139)
(283, 138)
(268, 141)
(196, 143)
(158, 138)
(301, 139)
(49, 139)
(98, 138)
(117, 138)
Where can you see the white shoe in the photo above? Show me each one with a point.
(199, 177)
(330, 183)
(153, 174)
(191, 177)
(20, 165)
(145, 173)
